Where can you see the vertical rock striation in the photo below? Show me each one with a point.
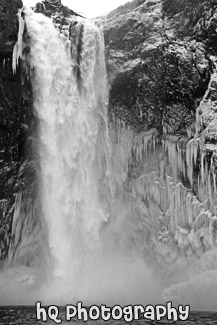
(15, 124)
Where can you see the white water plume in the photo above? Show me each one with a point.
(86, 226)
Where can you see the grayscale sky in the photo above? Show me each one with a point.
(89, 8)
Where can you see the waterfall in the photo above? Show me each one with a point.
(110, 202)
(85, 222)
(112, 205)
(74, 145)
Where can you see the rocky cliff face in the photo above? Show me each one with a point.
(14, 123)
(158, 62)
(161, 58)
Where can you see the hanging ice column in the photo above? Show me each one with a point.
(74, 144)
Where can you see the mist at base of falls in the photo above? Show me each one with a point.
(108, 281)
(110, 272)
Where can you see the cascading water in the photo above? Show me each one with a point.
(85, 236)
(104, 207)
(73, 144)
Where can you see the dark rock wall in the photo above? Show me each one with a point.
(158, 61)
(15, 123)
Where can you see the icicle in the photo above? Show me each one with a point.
(154, 145)
(209, 188)
(214, 182)
(14, 61)
(191, 156)
(18, 48)
(24, 243)
(202, 167)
